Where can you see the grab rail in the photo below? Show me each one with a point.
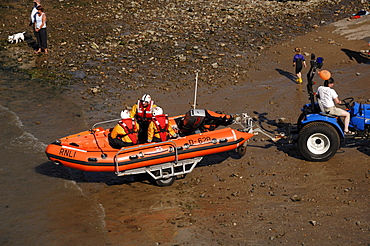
(142, 147)
(108, 121)
(104, 122)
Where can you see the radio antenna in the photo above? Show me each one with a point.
(196, 90)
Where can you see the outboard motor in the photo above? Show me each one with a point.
(193, 120)
(201, 120)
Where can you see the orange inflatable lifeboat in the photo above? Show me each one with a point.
(90, 150)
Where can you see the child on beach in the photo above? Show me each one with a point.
(299, 62)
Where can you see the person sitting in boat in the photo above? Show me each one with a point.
(125, 133)
(160, 128)
(142, 112)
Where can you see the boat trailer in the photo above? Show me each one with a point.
(166, 173)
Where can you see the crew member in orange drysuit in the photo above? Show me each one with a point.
(160, 128)
(125, 133)
(142, 112)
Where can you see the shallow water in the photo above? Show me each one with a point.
(38, 207)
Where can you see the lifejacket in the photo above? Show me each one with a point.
(161, 124)
(144, 113)
(129, 125)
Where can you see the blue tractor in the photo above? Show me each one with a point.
(320, 134)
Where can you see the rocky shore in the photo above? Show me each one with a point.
(118, 49)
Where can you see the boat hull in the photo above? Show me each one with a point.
(90, 150)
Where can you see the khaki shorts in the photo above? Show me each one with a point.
(335, 111)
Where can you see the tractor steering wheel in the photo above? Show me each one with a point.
(347, 102)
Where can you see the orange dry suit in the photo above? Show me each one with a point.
(160, 129)
(142, 113)
(125, 133)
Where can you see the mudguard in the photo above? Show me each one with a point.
(360, 116)
(318, 117)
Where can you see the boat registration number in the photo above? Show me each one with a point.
(201, 140)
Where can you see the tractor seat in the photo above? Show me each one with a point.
(323, 112)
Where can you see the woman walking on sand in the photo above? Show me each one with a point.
(40, 30)
(299, 62)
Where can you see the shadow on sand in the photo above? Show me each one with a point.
(357, 56)
(287, 74)
(284, 145)
(110, 178)
(362, 145)
(66, 173)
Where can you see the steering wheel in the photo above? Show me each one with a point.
(347, 102)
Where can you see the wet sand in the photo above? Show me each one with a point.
(271, 195)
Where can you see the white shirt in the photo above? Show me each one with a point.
(34, 11)
(38, 20)
(327, 95)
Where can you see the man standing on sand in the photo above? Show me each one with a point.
(34, 11)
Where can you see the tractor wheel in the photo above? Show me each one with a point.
(318, 141)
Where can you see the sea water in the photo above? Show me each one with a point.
(40, 203)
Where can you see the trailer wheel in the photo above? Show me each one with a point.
(241, 150)
(165, 182)
(318, 141)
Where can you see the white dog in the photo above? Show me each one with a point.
(15, 38)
